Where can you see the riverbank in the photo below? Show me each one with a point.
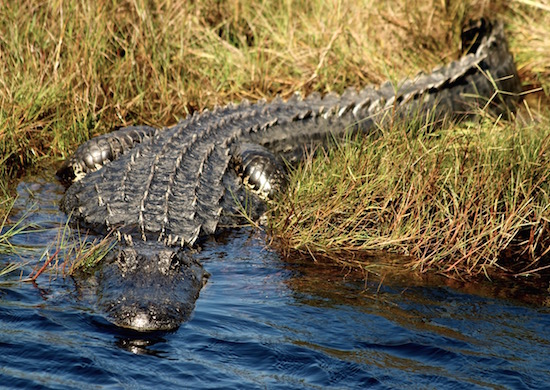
(467, 200)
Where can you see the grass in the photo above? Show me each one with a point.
(72, 252)
(69, 254)
(467, 200)
(69, 71)
(8, 229)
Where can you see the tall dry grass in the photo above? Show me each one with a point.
(71, 70)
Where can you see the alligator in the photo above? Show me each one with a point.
(162, 191)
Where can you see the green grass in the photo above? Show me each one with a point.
(467, 200)
(69, 71)
(10, 229)
(68, 254)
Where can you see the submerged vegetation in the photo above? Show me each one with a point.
(464, 199)
(68, 253)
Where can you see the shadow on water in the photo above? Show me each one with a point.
(265, 322)
(137, 343)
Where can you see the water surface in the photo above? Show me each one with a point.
(263, 322)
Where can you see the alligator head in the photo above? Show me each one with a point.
(148, 286)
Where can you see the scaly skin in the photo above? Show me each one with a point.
(173, 186)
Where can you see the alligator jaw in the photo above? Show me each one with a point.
(140, 321)
(149, 287)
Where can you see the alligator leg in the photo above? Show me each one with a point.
(100, 150)
(259, 169)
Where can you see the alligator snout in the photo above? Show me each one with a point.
(149, 287)
(151, 316)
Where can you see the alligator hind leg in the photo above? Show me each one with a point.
(472, 34)
(259, 169)
(100, 150)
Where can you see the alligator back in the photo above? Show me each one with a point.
(177, 184)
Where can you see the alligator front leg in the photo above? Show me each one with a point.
(259, 169)
(98, 151)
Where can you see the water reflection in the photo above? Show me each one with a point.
(140, 344)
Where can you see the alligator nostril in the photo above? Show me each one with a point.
(140, 321)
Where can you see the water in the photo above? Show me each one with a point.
(262, 322)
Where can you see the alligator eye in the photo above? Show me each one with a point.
(174, 261)
(122, 257)
(127, 259)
